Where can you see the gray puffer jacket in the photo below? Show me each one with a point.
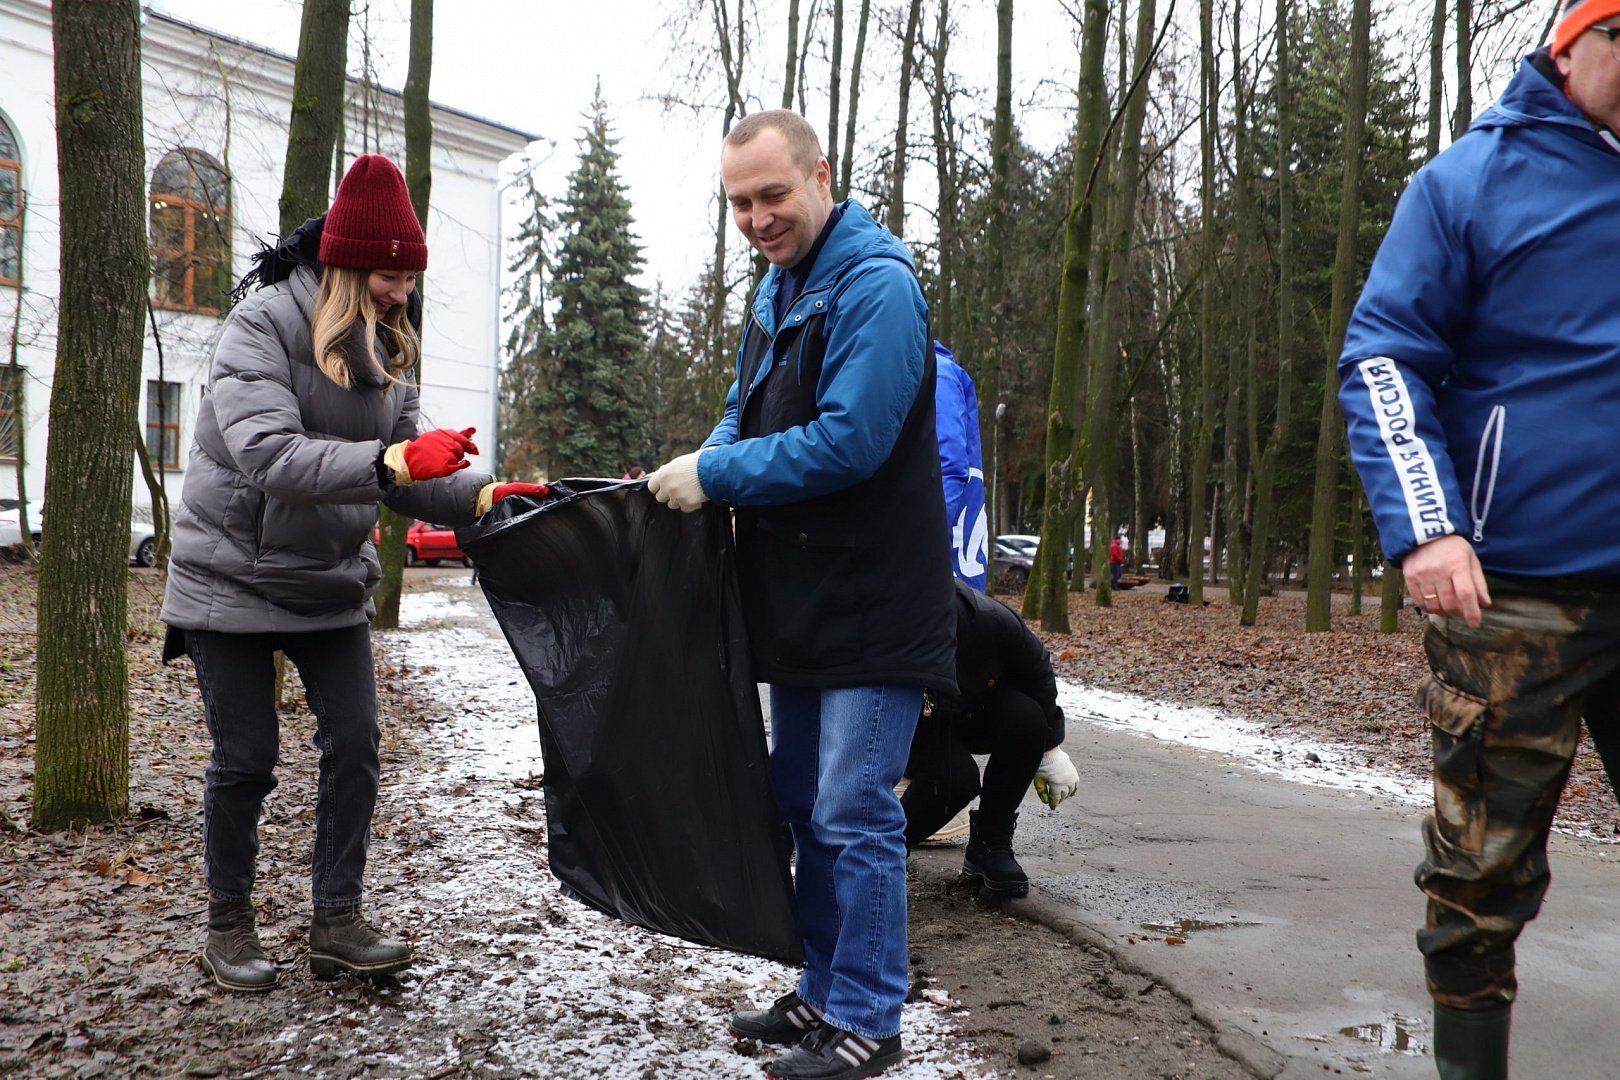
(274, 530)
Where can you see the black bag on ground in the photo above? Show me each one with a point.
(625, 617)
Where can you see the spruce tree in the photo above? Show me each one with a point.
(595, 392)
(522, 455)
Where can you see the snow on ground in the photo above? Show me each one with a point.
(1250, 743)
(1257, 747)
(560, 989)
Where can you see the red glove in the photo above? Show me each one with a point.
(533, 491)
(440, 452)
(493, 492)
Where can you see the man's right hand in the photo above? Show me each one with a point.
(1444, 577)
(676, 484)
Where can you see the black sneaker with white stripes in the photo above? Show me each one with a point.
(790, 1019)
(830, 1053)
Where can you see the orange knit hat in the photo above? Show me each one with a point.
(1579, 17)
(371, 225)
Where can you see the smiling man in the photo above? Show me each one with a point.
(827, 451)
(1481, 381)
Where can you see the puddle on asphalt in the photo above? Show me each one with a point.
(1395, 1034)
(1188, 926)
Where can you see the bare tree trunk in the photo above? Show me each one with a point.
(994, 301)
(1318, 609)
(1357, 550)
(155, 486)
(1242, 420)
(154, 490)
(897, 178)
(1046, 596)
(1102, 411)
(18, 411)
(81, 750)
(1209, 95)
(792, 53)
(848, 156)
(419, 180)
(944, 182)
(1139, 517)
(318, 83)
(1265, 485)
(1391, 595)
(835, 87)
(1465, 69)
(733, 53)
(1437, 80)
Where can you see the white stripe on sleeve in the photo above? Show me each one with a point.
(1391, 405)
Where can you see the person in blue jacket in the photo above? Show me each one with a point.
(961, 465)
(827, 452)
(1481, 384)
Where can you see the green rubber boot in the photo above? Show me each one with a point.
(1471, 1044)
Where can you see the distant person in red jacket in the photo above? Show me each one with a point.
(1116, 562)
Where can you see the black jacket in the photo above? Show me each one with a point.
(996, 651)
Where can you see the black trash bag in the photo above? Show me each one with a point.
(625, 617)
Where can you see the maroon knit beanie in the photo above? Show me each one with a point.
(371, 225)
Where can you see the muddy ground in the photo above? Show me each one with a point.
(99, 931)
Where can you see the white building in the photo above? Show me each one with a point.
(216, 119)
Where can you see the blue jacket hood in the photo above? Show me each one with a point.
(1531, 98)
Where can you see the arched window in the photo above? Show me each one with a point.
(11, 195)
(191, 233)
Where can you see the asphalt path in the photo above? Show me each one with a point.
(1295, 911)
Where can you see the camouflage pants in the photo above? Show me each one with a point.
(1505, 703)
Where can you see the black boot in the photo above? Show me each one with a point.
(1471, 1044)
(340, 940)
(989, 864)
(233, 955)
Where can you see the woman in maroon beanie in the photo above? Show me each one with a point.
(309, 420)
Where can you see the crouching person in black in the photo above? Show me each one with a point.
(1007, 708)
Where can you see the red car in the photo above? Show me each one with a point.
(427, 544)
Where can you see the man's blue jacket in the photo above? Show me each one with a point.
(1481, 369)
(864, 285)
(1480, 375)
(827, 450)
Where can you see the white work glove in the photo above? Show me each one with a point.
(676, 485)
(1056, 778)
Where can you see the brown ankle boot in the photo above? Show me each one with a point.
(233, 955)
(340, 940)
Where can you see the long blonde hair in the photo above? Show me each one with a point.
(342, 302)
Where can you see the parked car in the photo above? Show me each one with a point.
(1019, 544)
(142, 537)
(142, 534)
(10, 523)
(1027, 545)
(428, 544)
(1010, 565)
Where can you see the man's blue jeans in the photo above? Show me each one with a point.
(836, 756)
